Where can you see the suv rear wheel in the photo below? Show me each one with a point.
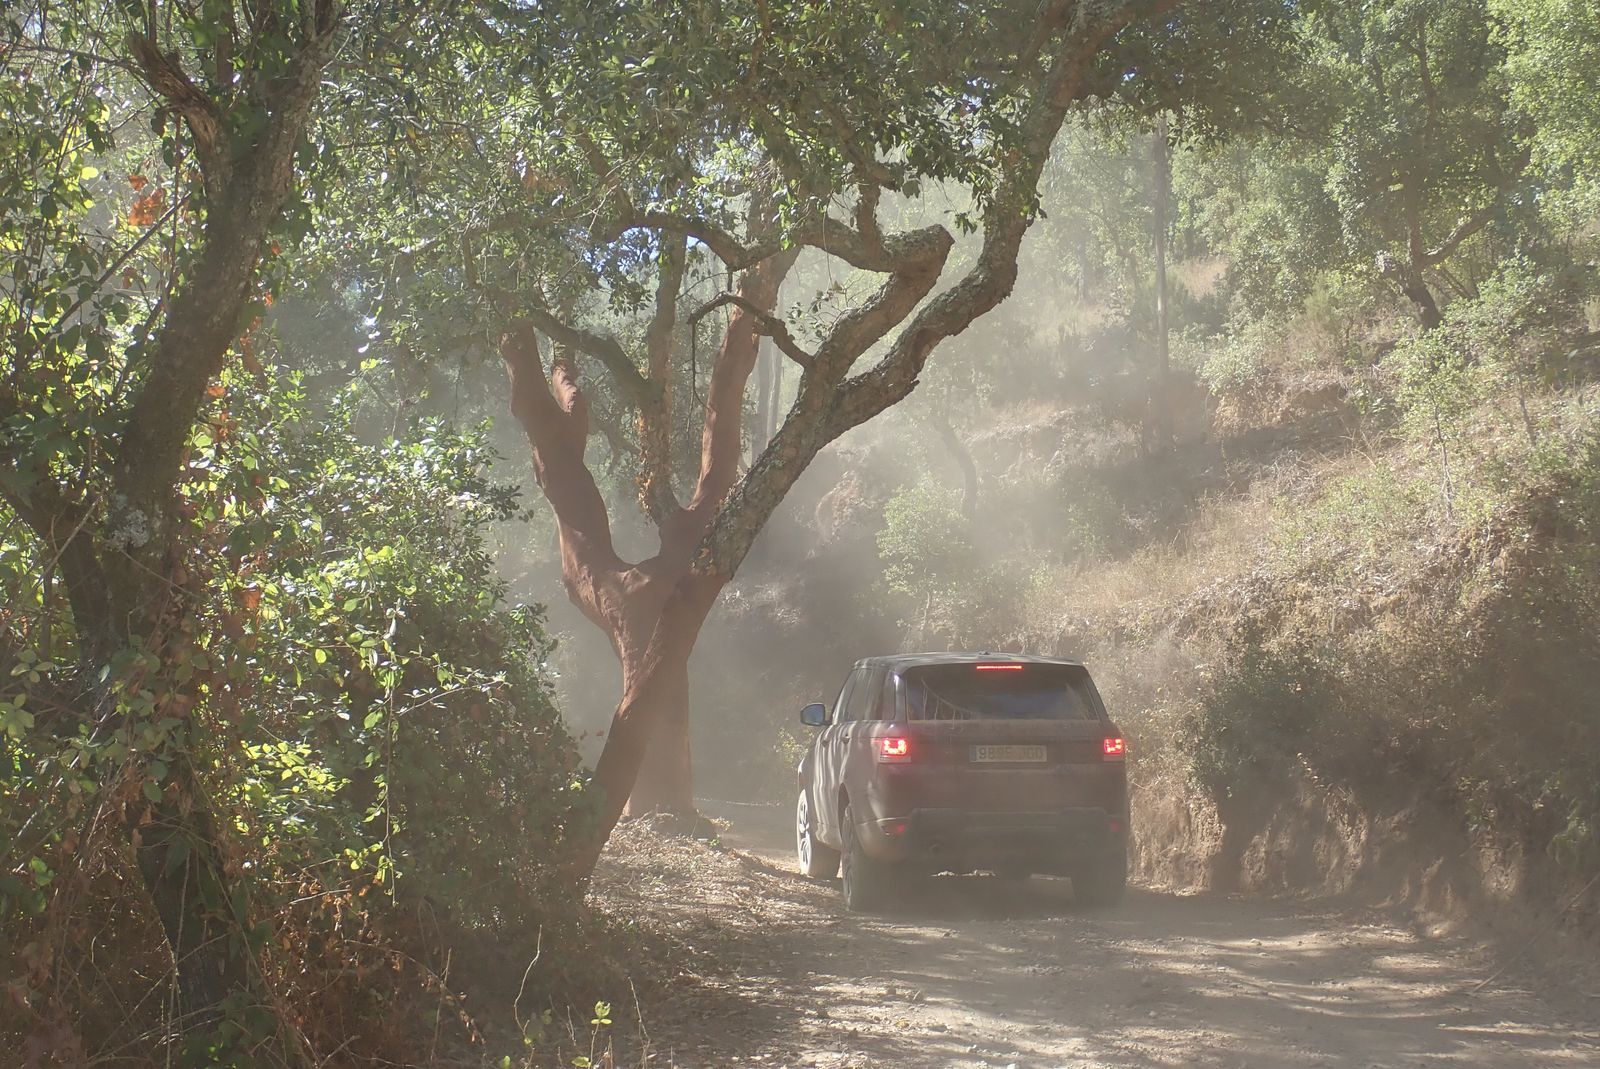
(866, 879)
(1104, 884)
(817, 859)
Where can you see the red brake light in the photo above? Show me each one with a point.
(1114, 748)
(894, 748)
(999, 667)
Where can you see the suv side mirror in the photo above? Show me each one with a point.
(814, 715)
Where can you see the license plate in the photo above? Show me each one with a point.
(1008, 753)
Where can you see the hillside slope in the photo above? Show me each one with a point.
(1348, 666)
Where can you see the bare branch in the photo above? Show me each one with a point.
(164, 74)
(721, 442)
(825, 233)
(867, 216)
(604, 348)
(59, 520)
(658, 336)
(1464, 230)
(554, 414)
(825, 410)
(767, 325)
(656, 493)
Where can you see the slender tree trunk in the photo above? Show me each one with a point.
(652, 611)
(180, 858)
(1421, 297)
(1163, 175)
(775, 403)
(760, 427)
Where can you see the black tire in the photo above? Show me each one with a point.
(866, 879)
(817, 859)
(1104, 884)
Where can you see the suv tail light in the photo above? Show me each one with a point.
(893, 749)
(1114, 749)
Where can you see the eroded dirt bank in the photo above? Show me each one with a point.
(972, 973)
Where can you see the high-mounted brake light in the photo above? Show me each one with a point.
(894, 748)
(999, 667)
(1114, 749)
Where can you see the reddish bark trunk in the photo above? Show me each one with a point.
(655, 694)
(665, 782)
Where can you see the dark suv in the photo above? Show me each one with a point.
(960, 762)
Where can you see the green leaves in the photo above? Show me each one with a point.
(1553, 72)
(15, 721)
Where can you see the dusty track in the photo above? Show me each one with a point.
(972, 972)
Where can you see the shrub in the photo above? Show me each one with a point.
(371, 722)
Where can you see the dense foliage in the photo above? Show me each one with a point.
(373, 721)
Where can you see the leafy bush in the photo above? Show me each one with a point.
(1260, 711)
(945, 568)
(1474, 394)
(372, 724)
(926, 544)
(1473, 685)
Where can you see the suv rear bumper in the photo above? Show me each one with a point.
(1053, 841)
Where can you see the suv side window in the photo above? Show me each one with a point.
(841, 704)
(863, 695)
(891, 703)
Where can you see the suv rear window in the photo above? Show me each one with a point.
(1031, 692)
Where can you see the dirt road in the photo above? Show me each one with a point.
(973, 972)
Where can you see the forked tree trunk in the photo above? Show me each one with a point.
(651, 611)
(654, 714)
(704, 541)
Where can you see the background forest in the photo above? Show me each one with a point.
(1288, 425)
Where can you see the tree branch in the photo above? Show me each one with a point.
(767, 325)
(165, 75)
(553, 414)
(60, 523)
(635, 388)
(867, 197)
(246, 188)
(1464, 230)
(721, 442)
(825, 233)
(656, 493)
(825, 410)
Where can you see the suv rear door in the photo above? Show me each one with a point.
(1010, 736)
(841, 746)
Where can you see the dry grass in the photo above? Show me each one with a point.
(1200, 276)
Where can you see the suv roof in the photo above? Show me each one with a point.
(899, 662)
